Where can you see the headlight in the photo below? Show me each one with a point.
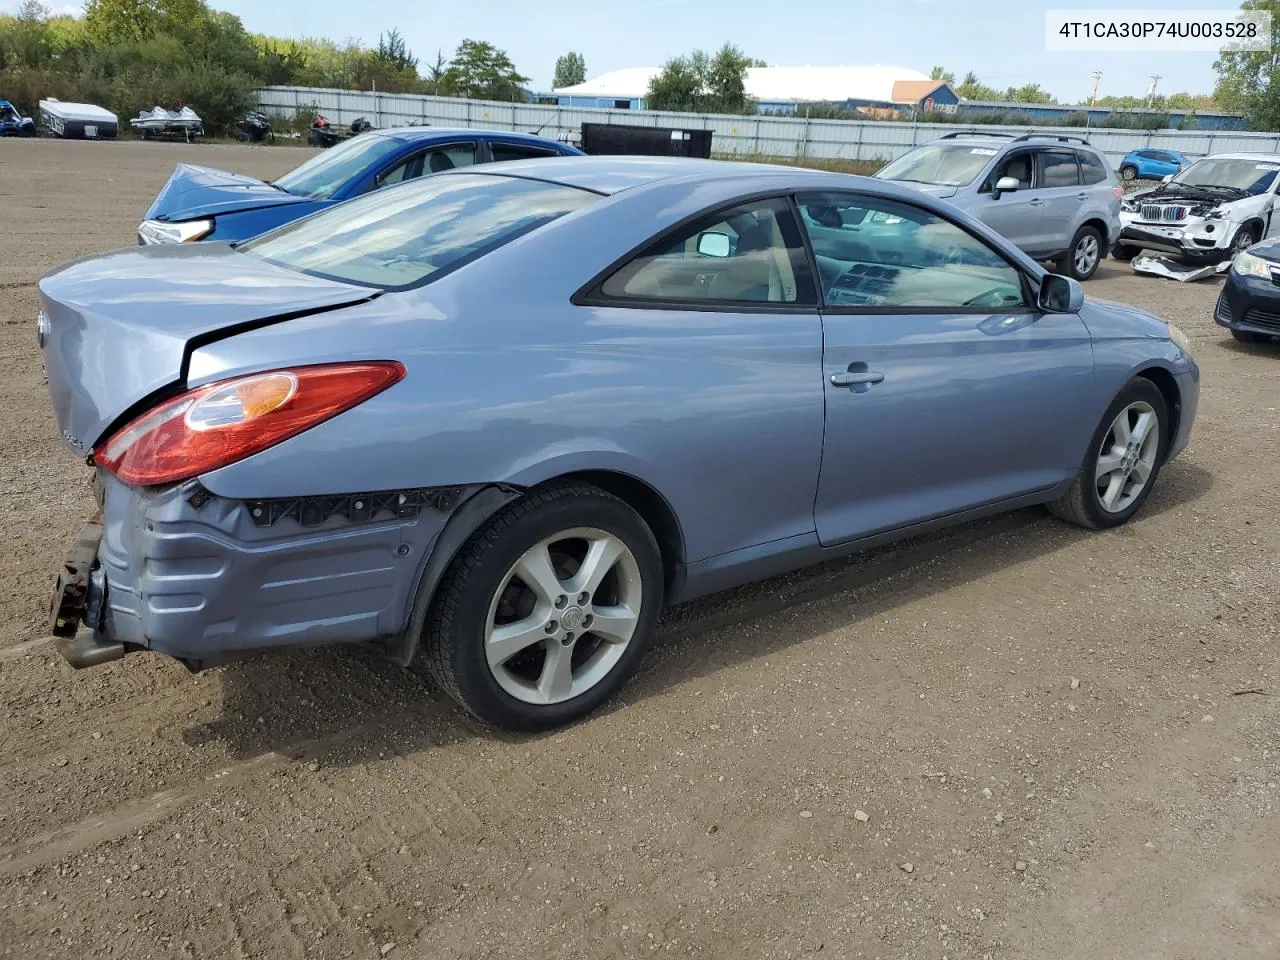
(1247, 265)
(1180, 339)
(158, 231)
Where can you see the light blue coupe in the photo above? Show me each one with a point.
(499, 417)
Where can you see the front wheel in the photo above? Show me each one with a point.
(1123, 461)
(1247, 336)
(1245, 238)
(546, 611)
(1081, 260)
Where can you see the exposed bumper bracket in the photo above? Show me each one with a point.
(88, 649)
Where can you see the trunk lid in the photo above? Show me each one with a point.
(117, 328)
(194, 191)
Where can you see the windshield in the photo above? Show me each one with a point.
(326, 173)
(1250, 176)
(945, 165)
(402, 235)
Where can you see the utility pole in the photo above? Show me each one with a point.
(1151, 94)
(1097, 79)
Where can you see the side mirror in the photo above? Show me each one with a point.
(1060, 294)
(1005, 185)
(712, 244)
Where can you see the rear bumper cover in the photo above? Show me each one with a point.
(184, 573)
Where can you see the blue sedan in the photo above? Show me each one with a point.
(499, 417)
(1152, 164)
(200, 203)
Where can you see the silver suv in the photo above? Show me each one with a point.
(1054, 196)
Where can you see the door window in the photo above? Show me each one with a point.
(1092, 169)
(1016, 165)
(435, 159)
(517, 151)
(750, 254)
(882, 255)
(1060, 168)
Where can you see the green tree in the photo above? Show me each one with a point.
(481, 71)
(971, 88)
(570, 69)
(393, 52)
(1249, 81)
(1028, 93)
(946, 76)
(703, 83)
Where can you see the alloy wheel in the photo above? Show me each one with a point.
(1127, 457)
(563, 616)
(1086, 255)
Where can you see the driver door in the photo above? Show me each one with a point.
(945, 390)
(1017, 215)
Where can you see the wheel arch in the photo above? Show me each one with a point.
(1167, 384)
(654, 509)
(1101, 226)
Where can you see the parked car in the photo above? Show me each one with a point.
(1150, 164)
(1249, 304)
(1208, 213)
(1055, 197)
(498, 418)
(13, 123)
(200, 203)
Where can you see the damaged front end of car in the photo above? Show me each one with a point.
(1198, 225)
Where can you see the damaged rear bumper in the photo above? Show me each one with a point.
(204, 579)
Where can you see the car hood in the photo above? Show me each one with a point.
(1109, 320)
(194, 191)
(118, 328)
(940, 190)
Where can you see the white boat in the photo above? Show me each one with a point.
(159, 120)
(77, 120)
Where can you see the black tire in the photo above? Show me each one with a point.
(1245, 238)
(1125, 251)
(454, 635)
(1086, 238)
(1247, 336)
(1128, 173)
(1082, 504)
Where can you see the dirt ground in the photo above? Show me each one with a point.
(1064, 744)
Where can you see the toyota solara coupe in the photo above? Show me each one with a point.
(498, 418)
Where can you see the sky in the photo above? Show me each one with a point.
(1002, 42)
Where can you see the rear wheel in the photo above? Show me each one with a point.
(547, 610)
(1123, 461)
(1081, 260)
(1129, 173)
(1125, 251)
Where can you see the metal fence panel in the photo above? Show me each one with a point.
(733, 135)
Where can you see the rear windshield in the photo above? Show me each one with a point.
(326, 173)
(949, 165)
(400, 236)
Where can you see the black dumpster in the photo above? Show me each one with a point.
(612, 139)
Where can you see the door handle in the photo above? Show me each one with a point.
(857, 378)
(1037, 202)
(1082, 196)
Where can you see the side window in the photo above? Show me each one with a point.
(432, 160)
(1144, 154)
(751, 253)
(1059, 168)
(517, 151)
(1092, 169)
(886, 254)
(1016, 165)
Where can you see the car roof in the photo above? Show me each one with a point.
(450, 133)
(612, 174)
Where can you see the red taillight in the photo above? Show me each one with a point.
(223, 422)
(1118, 191)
